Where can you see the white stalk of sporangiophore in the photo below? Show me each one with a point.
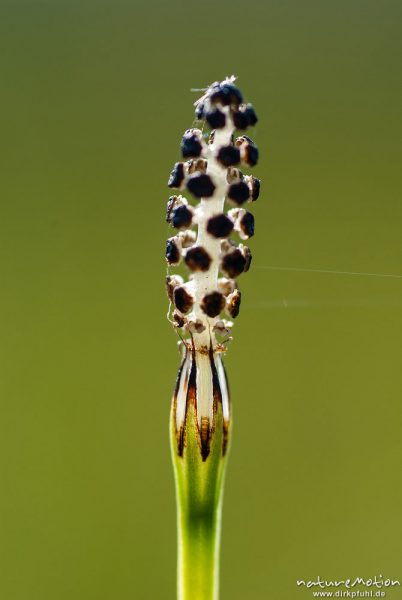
(205, 282)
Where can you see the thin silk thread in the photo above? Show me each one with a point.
(329, 271)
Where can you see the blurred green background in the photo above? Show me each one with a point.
(94, 98)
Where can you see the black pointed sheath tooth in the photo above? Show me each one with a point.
(182, 299)
(205, 437)
(228, 156)
(172, 254)
(212, 304)
(233, 263)
(182, 217)
(201, 185)
(238, 192)
(216, 119)
(188, 367)
(220, 226)
(177, 175)
(247, 224)
(197, 259)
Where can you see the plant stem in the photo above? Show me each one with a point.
(199, 486)
(200, 419)
(198, 576)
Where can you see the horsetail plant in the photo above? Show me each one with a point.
(200, 414)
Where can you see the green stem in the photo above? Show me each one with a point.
(198, 560)
(199, 487)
